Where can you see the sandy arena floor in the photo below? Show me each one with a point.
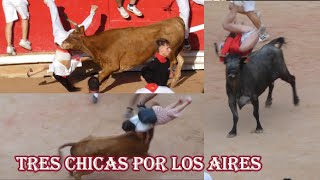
(39, 124)
(290, 143)
(16, 81)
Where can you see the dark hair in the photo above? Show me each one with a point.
(128, 126)
(147, 74)
(93, 84)
(162, 42)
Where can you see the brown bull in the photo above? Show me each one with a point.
(118, 50)
(129, 145)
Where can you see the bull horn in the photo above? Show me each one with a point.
(217, 51)
(72, 22)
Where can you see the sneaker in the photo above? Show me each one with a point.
(25, 44)
(187, 46)
(123, 12)
(93, 9)
(134, 10)
(264, 37)
(11, 51)
(95, 98)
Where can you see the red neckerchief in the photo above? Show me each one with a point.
(62, 50)
(161, 58)
(152, 87)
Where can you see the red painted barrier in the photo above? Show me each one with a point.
(107, 17)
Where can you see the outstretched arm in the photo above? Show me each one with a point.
(43, 68)
(147, 97)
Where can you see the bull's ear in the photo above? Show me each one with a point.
(81, 30)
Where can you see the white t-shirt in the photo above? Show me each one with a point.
(160, 89)
(58, 68)
(140, 127)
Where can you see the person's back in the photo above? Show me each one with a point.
(160, 70)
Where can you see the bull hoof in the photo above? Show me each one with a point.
(296, 101)
(268, 103)
(231, 135)
(259, 131)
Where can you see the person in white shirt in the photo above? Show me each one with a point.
(10, 9)
(63, 63)
(150, 86)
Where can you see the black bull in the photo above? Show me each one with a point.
(246, 82)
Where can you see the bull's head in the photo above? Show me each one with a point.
(233, 64)
(74, 40)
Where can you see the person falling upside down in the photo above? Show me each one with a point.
(248, 8)
(147, 118)
(249, 35)
(242, 38)
(63, 62)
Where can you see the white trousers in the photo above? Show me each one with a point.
(59, 33)
(12, 7)
(184, 9)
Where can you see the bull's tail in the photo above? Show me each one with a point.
(278, 42)
(63, 146)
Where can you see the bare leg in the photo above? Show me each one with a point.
(230, 26)
(132, 1)
(251, 15)
(144, 98)
(147, 97)
(43, 68)
(9, 33)
(119, 3)
(25, 26)
(254, 19)
(134, 101)
(250, 41)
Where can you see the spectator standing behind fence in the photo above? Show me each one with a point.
(131, 7)
(10, 9)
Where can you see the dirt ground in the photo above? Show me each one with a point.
(290, 143)
(16, 81)
(39, 124)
